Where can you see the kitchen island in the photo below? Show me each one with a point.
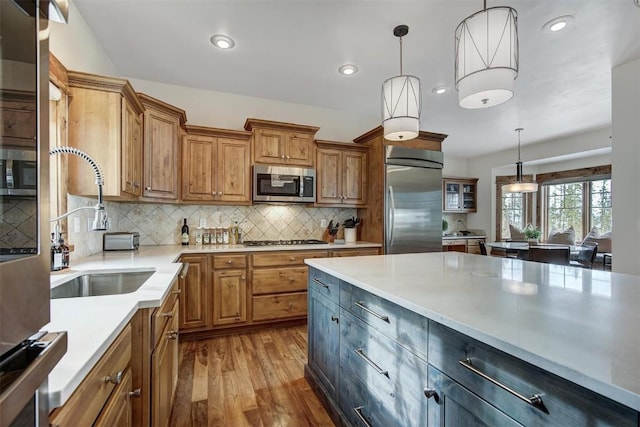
(557, 330)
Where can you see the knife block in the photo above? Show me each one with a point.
(327, 237)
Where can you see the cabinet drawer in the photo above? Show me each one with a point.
(325, 284)
(458, 242)
(400, 324)
(272, 259)
(354, 252)
(163, 314)
(284, 306)
(275, 280)
(117, 411)
(87, 400)
(563, 403)
(229, 261)
(396, 376)
(360, 407)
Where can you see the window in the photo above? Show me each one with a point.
(512, 208)
(578, 198)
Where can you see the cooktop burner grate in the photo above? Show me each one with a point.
(283, 242)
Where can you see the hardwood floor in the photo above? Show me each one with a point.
(252, 379)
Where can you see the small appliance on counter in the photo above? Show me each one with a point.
(121, 241)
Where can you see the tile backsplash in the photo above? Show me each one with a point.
(18, 223)
(159, 224)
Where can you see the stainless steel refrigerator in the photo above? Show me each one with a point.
(413, 200)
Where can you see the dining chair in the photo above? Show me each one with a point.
(483, 248)
(549, 255)
(586, 256)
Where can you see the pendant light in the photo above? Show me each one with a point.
(401, 101)
(486, 52)
(520, 186)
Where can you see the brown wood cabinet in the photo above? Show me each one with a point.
(164, 367)
(373, 214)
(216, 166)
(117, 410)
(355, 252)
(459, 194)
(105, 122)
(229, 290)
(341, 173)
(468, 245)
(195, 295)
(281, 143)
(98, 391)
(163, 128)
(18, 119)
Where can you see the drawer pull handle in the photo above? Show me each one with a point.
(379, 316)
(168, 314)
(535, 400)
(431, 392)
(135, 393)
(292, 259)
(334, 318)
(373, 364)
(172, 335)
(176, 292)
(358, 411)
(113, 379)
(185, 270)
(321, 284)
(229, 262)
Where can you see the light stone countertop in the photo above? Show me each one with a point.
(582, 325)
(93, 323)
(461, 237)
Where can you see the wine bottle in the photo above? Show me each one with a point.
(185, 233)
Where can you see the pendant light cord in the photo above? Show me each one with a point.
(401, 55)
(519, 130)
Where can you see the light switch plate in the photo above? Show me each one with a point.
(76, 225)
(323, 223)
(203, 223)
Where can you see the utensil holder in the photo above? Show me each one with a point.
(350, 235)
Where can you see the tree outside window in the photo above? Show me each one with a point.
(565, 207)
(601, 205)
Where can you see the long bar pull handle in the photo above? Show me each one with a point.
(379, 316)
(358, 411)
(391, 217)
(371, 363)
(321, 284)
(535, 400)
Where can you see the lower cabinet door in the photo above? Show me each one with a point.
(450, 404)
(164, 373)
(324, 340)
(117, 410)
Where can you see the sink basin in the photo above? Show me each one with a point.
(97, 284)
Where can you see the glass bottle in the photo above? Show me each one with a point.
(185, 233)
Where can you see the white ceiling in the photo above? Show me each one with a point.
(291, 50)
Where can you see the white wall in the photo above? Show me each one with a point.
(453, 166)
(626, 167)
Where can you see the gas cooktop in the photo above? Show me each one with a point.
(283, 242)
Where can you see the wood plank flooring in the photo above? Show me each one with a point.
(252, 379)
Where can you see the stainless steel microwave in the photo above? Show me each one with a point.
(283, 184)
(18, 172)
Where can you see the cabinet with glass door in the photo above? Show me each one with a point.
(459, 194)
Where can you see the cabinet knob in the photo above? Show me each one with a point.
(172, 335)
(431, 392)
(147, 188)
(292, 259)
(135, 393)
(135, 184)
(176, 292)
(113, 379)
(282, 156)
(242, 278)
(167, 314)
(229, 262)
(288, 157)
(219, 193)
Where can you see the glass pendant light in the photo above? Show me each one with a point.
(486, 52)
(520, 186)
(401, 101)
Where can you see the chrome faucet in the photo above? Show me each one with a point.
(100, 221)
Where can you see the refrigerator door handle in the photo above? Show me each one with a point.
(390, 217)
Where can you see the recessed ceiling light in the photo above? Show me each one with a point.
(439, 90)
(348, 69)
(223, 42)
(558, 24)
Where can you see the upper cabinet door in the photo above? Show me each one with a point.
(299, 149)
(198, 160)
(234, 179)
(269, 146)
(329, 176)
(354, 182)
(459, 195)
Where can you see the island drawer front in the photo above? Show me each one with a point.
(274, 280)
(396, 376)
(272, 259)
(356, 397)
(324, 284)
(281, 306)
(163, 314)
(564, 403)
(354, 252)
(221, 262)
(86, 402)
(406, 327)
(454, 405)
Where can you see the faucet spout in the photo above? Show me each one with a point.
(100, 221)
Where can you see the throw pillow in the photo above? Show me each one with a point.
(516, 233)
(603, 240)
(564, 237)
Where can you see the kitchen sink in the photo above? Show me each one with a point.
(99, 284)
